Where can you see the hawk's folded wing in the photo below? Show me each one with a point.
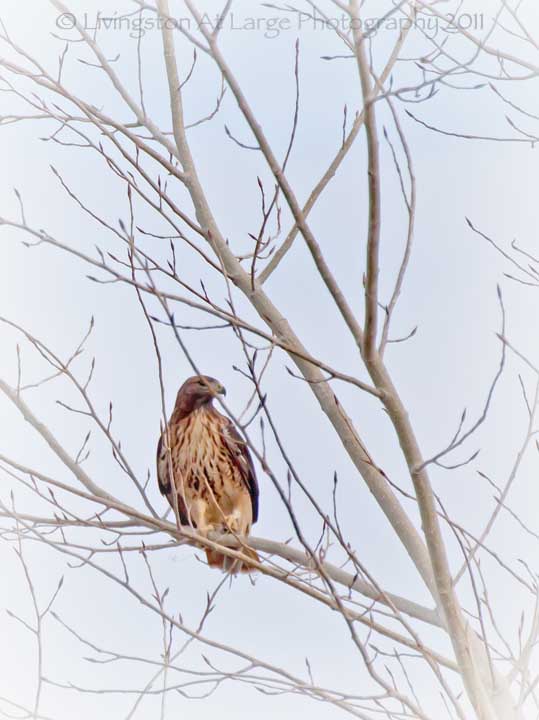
(241, 458)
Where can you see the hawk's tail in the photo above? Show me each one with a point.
(230, 564)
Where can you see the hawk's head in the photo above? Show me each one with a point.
(197, 391)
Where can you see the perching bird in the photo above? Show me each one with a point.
(212, 470)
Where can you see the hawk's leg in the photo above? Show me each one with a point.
(197, 516)
(235, 522)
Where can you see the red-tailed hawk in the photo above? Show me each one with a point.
(212, 471)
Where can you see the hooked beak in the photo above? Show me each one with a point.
(221, 390)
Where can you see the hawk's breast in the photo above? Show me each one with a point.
(201, 462)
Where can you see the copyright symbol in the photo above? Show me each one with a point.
(66, 21)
